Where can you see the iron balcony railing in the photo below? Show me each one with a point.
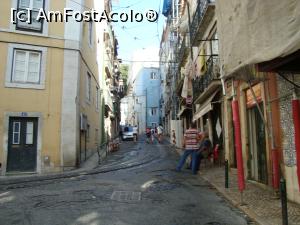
(198, 17)
(212, 73)
(182, 48)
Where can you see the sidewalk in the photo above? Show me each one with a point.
(260, 203)
(90, 164)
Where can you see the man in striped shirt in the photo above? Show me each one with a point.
(191, 144)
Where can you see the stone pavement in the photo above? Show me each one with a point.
(260, 203)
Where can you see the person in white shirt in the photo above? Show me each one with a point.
(160, 132)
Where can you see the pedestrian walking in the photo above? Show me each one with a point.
(159, 132)
(148, 135)
(190, 145)
(152, 135)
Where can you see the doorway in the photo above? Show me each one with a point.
(257, 160)
(22, 144)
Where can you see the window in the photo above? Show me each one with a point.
(26, 67)
(16, 133)
(29, 133)
(153, 111)
(215, 44)
(90, 33)
(97, 97)
(88, 87)
(153, 76)
(34, 6)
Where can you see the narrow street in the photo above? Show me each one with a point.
(135, 186)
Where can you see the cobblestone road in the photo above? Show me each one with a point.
(149, 193)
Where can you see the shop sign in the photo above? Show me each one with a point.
(250, 98)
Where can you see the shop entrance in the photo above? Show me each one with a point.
(257, 160)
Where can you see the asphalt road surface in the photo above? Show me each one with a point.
(135, 186)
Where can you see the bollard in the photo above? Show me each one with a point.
(226, 174)
(283, 202)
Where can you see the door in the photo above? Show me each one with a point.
(22, 144)
(257, 160)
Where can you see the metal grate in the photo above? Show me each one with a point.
(126, 196)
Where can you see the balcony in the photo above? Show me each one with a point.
(206, 84)
(182, 51)
(204, 13)
(108, 70)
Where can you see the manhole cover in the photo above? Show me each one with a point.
(126, 196)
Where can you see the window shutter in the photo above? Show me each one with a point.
(19, 66)
(33, 67)
(37, 4)
(24, 4)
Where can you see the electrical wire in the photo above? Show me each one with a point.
(126, 7)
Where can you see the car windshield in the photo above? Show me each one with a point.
(128, 129)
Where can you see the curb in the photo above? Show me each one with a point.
(252, 215)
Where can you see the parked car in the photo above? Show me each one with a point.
(128, 133)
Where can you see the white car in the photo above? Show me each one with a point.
(128, 133)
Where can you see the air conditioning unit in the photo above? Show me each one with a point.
(83, 122)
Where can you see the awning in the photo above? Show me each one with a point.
(255, 31)
(205, 107)
(181, 111)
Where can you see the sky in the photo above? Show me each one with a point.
(134, 36)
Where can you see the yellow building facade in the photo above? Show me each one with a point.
(49, 107)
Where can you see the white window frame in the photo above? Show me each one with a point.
(27, 54)
(88, 87)
(154, 109)
(29, 134)
(153, 76)
(16, 132)
(45, 30)
(29, 27)
(9, 83)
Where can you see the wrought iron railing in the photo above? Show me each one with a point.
(198, 16)
(181, 49)
(212, 73)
